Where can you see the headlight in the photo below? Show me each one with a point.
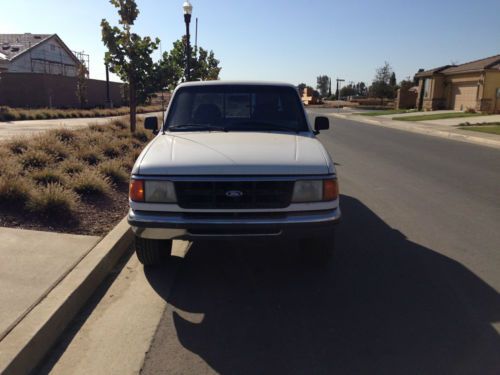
(308, 191)
(315, 191)
(159, 192)
(152, 191)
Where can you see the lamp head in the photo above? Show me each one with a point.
(188, 8)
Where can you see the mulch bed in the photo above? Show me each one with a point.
(93, 216)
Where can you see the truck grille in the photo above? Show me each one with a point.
(234, 194)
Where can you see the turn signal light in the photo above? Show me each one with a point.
(330, 190)
(137, 190)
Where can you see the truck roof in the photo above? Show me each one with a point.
(236, 83)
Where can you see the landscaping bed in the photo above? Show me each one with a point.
(15, 114)
(72, 181)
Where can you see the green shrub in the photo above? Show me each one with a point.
(114, 170)
(35, 159)
(89, 182)
(52, 200)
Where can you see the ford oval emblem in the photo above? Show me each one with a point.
(234, 194)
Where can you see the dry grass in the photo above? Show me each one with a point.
(115, 171)
(65, 174)
(53, 201)
(91, 183)
(15, 114)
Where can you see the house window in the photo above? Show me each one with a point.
(427, 87)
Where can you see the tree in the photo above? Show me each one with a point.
(81, 84)
(129, 55)
(322, 85)
(170, 69)
(381, 87)
(348, 90)
(383, 74)
(406, 83)
(392, 81)
(361, 89)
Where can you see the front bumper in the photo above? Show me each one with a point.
(187, 226)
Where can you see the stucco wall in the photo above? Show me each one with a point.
(405, 99)
(47, 90)
(48, 57)
(491, 84)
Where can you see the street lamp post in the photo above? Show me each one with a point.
(188, 10)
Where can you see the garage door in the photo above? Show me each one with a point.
(463, 96)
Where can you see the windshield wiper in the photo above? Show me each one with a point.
(262, 125)
(200, 127)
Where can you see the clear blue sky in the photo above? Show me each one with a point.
(292, 41)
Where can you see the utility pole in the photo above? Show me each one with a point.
(196, 38)
(338, 91)
(108, 99)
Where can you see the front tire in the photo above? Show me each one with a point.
(150, 252)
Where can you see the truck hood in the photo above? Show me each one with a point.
(233, 153)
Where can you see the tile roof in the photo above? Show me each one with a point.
(430, 72)
(474, 66)
(12, 45)
(492, 62)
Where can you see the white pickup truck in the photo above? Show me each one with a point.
(234, 159)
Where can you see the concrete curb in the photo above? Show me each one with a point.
(27, 344)
(398, 125)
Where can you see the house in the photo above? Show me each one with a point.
(37, 53)
(309, 96)
(39, 70)
(474, 85)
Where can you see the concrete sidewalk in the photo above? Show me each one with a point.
(31, 264)
(45, 279)
(19, 128)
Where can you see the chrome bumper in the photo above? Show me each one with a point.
(156, 225)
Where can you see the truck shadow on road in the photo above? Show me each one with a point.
(385, 305)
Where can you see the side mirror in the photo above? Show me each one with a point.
(321, 123)
(151, 123)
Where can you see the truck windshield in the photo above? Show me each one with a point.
(236, 108)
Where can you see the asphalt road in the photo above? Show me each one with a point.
(413, 288)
